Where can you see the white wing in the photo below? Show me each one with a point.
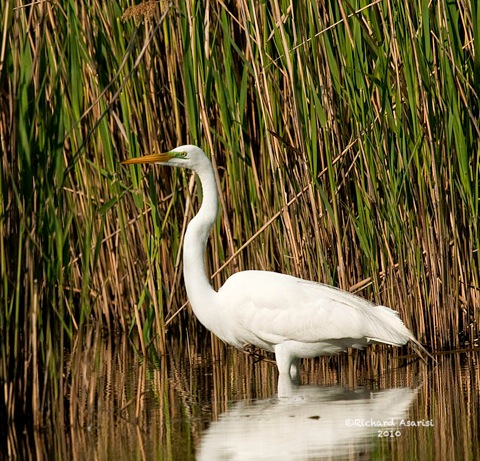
(268, 308)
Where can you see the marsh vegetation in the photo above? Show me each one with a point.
(345, 139)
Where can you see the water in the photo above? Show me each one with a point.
(190, 405)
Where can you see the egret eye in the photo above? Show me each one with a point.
(180, 155)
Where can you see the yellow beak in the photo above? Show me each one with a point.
(152, 158)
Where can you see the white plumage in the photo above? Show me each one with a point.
(291, 317)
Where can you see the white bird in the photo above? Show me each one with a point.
(291, 317)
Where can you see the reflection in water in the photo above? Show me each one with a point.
(114, 404)
(306, 422)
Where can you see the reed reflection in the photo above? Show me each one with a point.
(201, 401)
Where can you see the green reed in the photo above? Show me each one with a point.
(345, 138)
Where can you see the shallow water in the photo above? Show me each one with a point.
(189, 405)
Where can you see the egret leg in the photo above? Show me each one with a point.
(287, 363)
(286, 386)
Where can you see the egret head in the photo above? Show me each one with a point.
(187, 156)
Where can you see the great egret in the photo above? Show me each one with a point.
(291, 317)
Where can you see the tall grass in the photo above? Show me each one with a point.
(344, 134)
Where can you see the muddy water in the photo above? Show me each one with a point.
(118, 405)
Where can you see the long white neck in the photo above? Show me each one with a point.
(199, 291)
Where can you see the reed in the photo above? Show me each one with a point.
(345, 137)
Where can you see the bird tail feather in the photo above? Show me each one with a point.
(398, 334)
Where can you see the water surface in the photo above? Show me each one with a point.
(118, 405)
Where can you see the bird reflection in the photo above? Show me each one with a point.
(305, 422)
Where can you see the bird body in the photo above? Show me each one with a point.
(297, 319)
(289, 316)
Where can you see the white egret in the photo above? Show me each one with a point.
(291, 317)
